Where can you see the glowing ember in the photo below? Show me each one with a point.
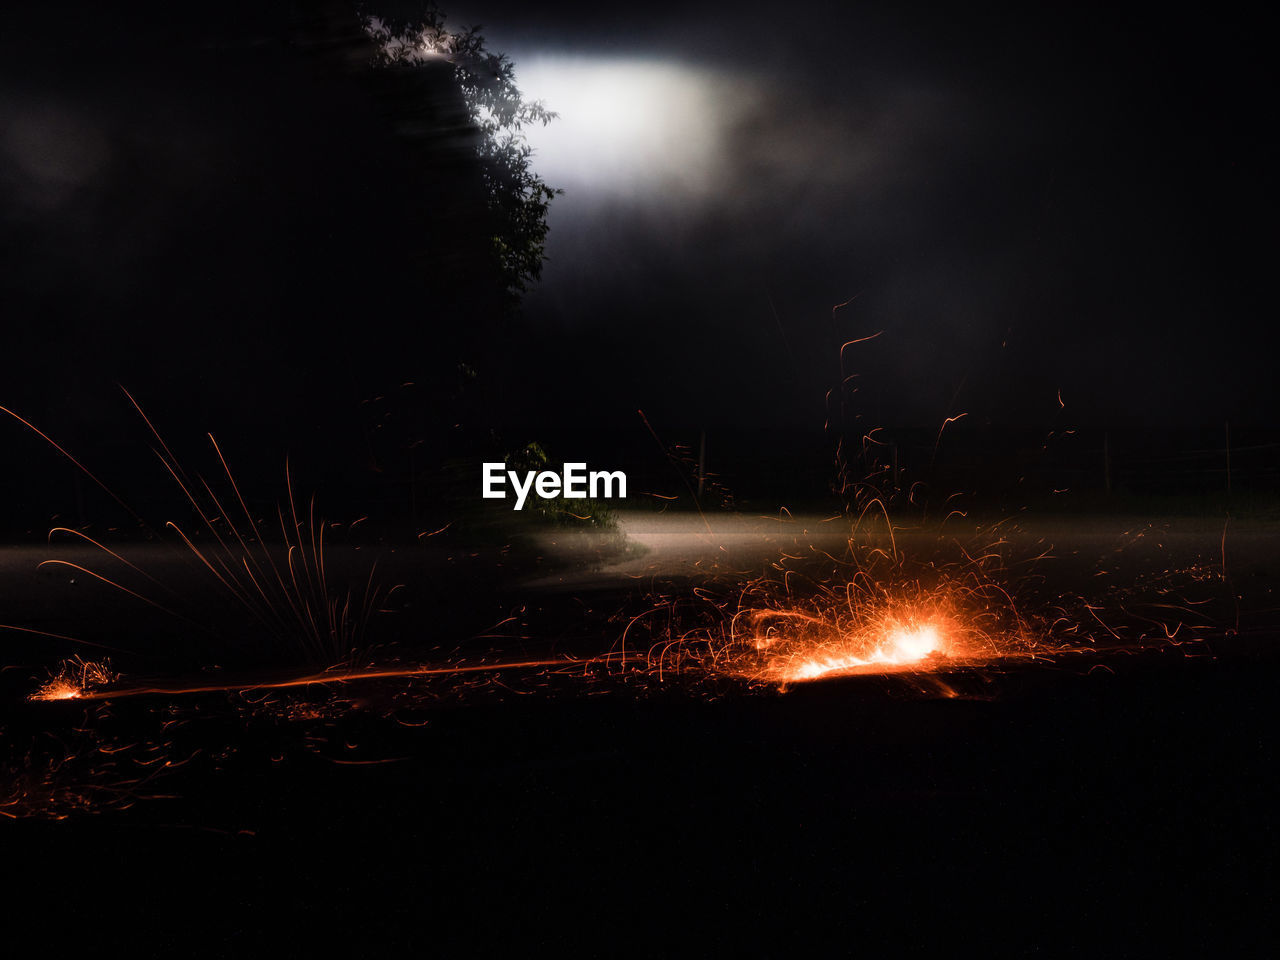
(873, 610)
(901, 646)
(75, 679)
(57, 690)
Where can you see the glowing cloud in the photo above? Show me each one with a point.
(628, 126)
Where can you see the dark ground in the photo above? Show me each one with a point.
(1119, 802)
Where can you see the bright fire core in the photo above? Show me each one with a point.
(900, 646)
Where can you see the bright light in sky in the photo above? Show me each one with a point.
(626, 127)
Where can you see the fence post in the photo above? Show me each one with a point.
(1228, 459)
(702, 463)
(1106, 461)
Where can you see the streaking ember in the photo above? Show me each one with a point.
(283, 589)
(62, 688)
(76, 679)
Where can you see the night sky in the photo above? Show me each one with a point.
(1023, 201)
(1025, 205)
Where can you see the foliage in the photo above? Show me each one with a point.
(518, 198)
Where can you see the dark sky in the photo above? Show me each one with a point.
(1025, 200)
(1024, 203)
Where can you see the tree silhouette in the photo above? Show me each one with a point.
(518, 199)
(282, 229)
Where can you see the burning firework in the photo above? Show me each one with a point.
(75, 679)
(872, 611)
(864, 625)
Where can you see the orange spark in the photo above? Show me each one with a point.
(76, 679)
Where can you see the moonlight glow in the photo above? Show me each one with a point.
(626, 126)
